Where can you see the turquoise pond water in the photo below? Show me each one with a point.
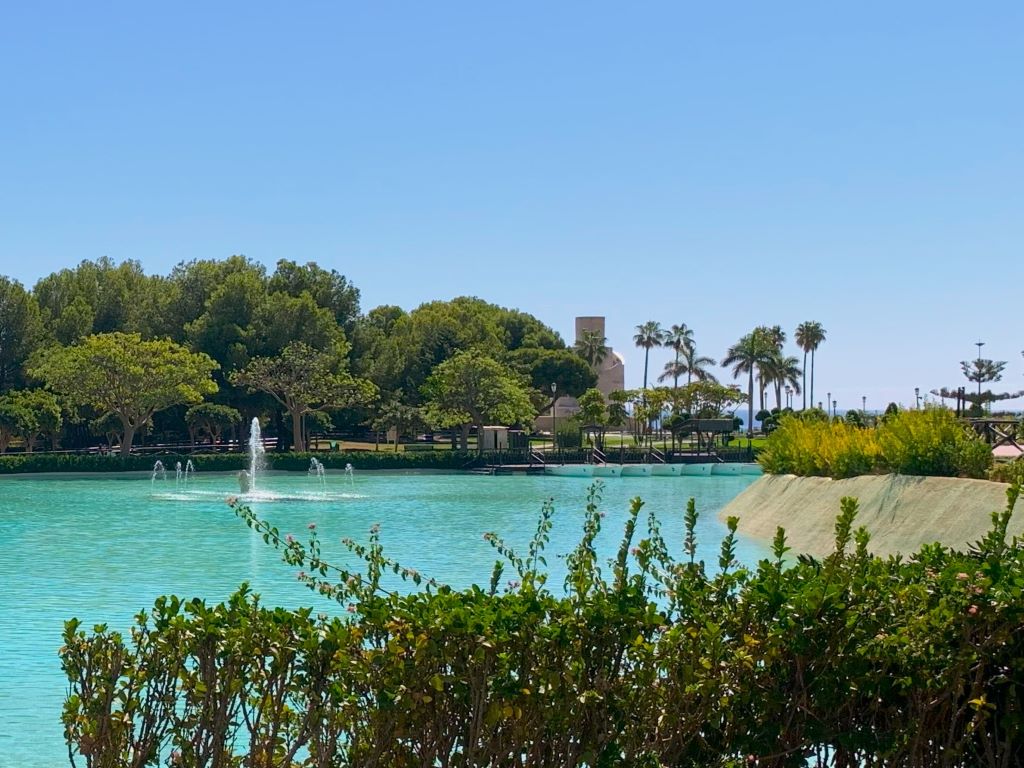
(102, 548)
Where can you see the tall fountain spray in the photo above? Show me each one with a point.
(158, 471)
(316, 469)
(257, 454)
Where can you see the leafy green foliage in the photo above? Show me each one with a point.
(932, 442)
(211, 419)
(852, 660)
(915, 442)
(471, 388)
(120, 373)
(21, 330)
(304, 380)
(28, 414)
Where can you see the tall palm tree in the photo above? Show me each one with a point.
(772, 338)
(809, 336)
(781, 370)
(592, 347)
(744, 356)
(679, 338)
(648, 336)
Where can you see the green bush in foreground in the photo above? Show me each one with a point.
(643, 661)
(919, 442)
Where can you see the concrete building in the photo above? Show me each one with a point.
(611, 375)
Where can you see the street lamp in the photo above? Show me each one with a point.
(917, 397)
(828, 399)
(864, 405)
(789, 396)
(834, 409)
(554, 419)
(979, 345)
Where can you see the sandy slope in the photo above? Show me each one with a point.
(901, 512)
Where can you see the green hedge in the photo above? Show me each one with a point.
(849, 661)
(222, 462)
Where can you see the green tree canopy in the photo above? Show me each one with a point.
(305, 380)
(416, 343)
(562, 367)
(21, 329)
(472, 389)
(327, 288)
(29, 414)
(120, 373)
(211, 419)
(102, 297)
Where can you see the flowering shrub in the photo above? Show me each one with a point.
(919, 442)
(643, 660)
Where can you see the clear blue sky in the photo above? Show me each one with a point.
(722, 165)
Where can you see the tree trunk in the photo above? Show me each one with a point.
(127, 438)
(647, 353)
(464, 438)
(804, 371)
(812, 377)
(297, 444)
(30, 444)
(750, 404)
(778, 395)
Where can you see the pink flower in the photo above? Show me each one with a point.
(302, 574)
(231, 500)
(312, 526)
(289, 538)
(351, 608)
(972, 611)
(962, 576)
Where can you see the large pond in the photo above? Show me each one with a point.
(102, 548)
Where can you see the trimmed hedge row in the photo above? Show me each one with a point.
(226, 462)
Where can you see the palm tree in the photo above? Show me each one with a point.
(694, 366)
(780, 370)
(809, 336)
(679, 338)
(592, 347)
(744, 356)
(647, 336)
(773, 339)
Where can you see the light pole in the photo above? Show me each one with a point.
(828, 399)
(979, 345)
(834, 403)
(554, 418)
(789, 396)
(917, 398)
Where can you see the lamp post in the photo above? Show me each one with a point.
(864, 406)
(828, 399)
(834, 404)
(979, 345)
(917, 398)
(789, 396)
(554, 418)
